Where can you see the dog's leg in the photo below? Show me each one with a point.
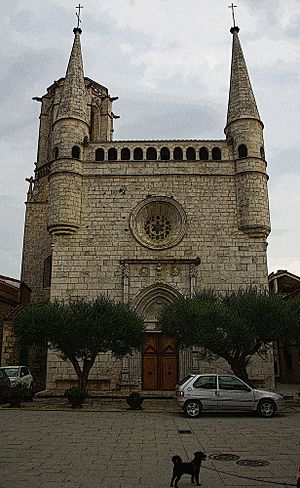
(193, 479)
(172, 480)
(197, 473)
(177, 479)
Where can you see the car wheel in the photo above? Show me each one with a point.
(192, 408)
(266, 408)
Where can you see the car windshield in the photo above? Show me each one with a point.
(11, 372)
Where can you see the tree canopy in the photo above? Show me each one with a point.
(80, 330)
(234, 326)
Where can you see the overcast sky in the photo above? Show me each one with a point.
(169, 63)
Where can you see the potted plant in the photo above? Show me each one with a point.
(76, 396)
(15, 395)
(135, 400)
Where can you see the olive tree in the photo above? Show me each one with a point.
(234, 326)
(80, 330)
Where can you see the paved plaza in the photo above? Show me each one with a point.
(90, 448)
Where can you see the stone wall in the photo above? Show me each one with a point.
(106, 255)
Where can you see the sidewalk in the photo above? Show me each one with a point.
(98, 404)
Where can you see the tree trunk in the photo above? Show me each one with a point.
(87, 366)
(239, 368)
(83, 374)
(77, 370)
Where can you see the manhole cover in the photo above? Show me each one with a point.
(224, 457)
(255, 463)
(185, 431)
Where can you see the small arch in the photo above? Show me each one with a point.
(166, 295)
(216, 154)
(55, 152)
(138, 154)
(262, 152)
(243, 151)
(178, 154)
(47, 272)
(190, 154)
(203, 153)
(112, 154)
(75, 152)
(151, 154)
(125, 154)
(99, 155)
(165, 154)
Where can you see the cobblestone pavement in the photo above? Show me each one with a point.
(90, 448)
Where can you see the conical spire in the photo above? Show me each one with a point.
(241, 103)
(73, 102)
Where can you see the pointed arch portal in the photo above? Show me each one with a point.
(159, 356)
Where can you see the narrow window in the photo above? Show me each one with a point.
(99, 154)
(178, 154)
(165, 154)
(75, 152)
(138, 154)
(262, 152)
(190, 154)
(216, 154)
(151, 154)
(47, 272)
(55, 153)
(203, 153)
(243, 151)
(112, 154)
(125, 154)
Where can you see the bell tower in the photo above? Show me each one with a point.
(70, 134)
(244, 132)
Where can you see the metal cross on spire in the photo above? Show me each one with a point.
(232, 8)
(78, 15)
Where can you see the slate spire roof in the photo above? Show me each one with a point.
(241, 103)
(73, 102)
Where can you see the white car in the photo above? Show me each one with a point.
(20, 375)
(219, 392)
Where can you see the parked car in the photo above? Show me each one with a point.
(4, 384)
(20, 375)
(218, 392)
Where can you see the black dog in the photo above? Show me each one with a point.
(192, 468)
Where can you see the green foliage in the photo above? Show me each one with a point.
(80, 330)
(234, 326)
(134, 394)
(76, 394)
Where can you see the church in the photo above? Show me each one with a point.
(144, 221)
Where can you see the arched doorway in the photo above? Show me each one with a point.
(159, 355)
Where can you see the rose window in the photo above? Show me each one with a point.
(157, 227)
(158, 222)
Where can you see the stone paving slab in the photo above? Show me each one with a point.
(92, 449)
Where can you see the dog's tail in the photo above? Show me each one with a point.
(176, 460)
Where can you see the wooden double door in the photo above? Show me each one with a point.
(160, 363)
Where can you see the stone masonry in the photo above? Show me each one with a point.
(143, 221)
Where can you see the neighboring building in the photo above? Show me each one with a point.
(12, 294)
(144, 221)
(286, 354)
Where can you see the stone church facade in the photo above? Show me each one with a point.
(143, 221)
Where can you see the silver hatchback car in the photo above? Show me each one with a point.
(219, 392)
